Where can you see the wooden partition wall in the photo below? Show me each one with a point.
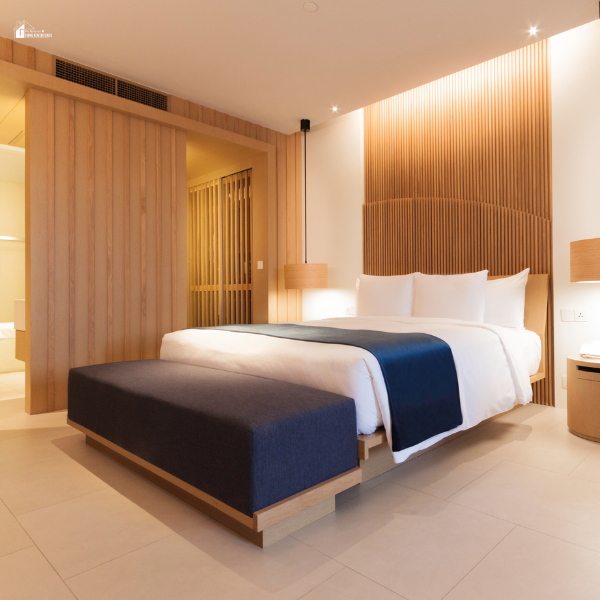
(106, 239)
(458, 177)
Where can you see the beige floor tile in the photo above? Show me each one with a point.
(169, 510)
(521, 443)
(46, 483)
(26, 575)
(558, 505)
(88, 531)
(528, 565)
(14, 380)
(99, 464)
(12, 535)
(539, 418)
(350, 585)
(443, 471)
(412, 543)
(12, 407)
(588, 469)
(8, 393)
(209, 562)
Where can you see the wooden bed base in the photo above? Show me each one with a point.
(267, 525)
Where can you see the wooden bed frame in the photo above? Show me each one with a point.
(279, 520)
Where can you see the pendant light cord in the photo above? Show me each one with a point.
(305, 215)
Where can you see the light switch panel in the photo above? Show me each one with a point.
(566, 314)
(259, 264)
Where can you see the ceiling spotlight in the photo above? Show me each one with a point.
(334, 108)
(533, 30)
(310, 6)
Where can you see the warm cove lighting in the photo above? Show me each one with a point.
(533, 30)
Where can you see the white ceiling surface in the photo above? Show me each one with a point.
(271, 62)
(12, 163)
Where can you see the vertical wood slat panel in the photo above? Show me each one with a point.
(219, 259)
(81, 268)
(51, 253)
(458, 177)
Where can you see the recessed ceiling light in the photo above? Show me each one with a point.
(310, 6)
(533, 30)
(334, 108)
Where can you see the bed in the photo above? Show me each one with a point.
(495, 365)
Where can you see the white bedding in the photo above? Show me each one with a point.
(7, 331)
(493, 364)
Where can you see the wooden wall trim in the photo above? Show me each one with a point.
(458, 177)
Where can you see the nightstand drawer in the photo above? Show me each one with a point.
(590, 373)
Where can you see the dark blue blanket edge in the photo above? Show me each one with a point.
(418, 369)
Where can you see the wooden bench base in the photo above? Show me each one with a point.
(267, 525)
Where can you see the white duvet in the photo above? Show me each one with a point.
(493, 365)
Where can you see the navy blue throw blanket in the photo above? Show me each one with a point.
(418, 370)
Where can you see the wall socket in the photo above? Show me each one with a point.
(350, 311)
(581, 315)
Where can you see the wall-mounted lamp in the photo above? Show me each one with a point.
(585, 261)
(305, 275)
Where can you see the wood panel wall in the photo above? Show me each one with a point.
(105, 239)
(281, 231)
(288, 218)
(458, 177)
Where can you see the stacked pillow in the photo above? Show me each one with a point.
(469, 297)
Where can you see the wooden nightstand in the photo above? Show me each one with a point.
(583, 397)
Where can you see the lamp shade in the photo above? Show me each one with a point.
(305, 276)
(585, 261)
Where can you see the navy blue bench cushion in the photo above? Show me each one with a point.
(247, 441)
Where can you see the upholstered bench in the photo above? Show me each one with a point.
(254, 450)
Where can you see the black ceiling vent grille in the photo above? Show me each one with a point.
(110, 85)
(87, 77)
(142, 95)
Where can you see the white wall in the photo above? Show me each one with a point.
(335, 186)
(576, 181)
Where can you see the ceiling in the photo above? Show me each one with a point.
(271, 62)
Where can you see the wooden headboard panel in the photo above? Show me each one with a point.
(446, 236)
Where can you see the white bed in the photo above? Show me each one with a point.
(493, 364)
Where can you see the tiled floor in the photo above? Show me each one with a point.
(510, 511)
(12, 385)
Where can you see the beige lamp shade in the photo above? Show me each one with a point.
(305, 276)
(585, 261)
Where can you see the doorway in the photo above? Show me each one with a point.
(12, 246)
(226, 206)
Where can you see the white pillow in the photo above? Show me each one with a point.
(451, 296)
(388, 296)
(505, 300)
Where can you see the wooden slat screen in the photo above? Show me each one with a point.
(220, 248)
(458, 177)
